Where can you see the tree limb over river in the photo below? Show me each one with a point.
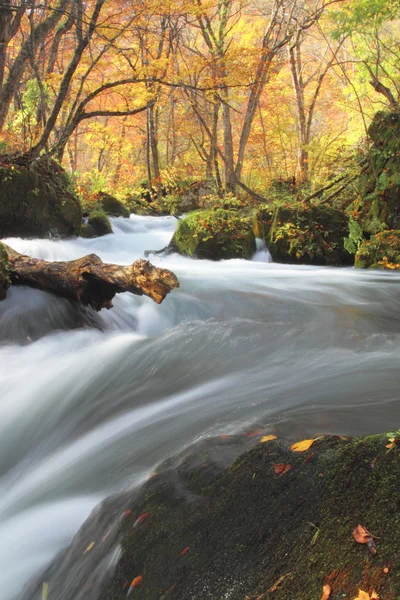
(90, 281)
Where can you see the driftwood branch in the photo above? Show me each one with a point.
(90, 281)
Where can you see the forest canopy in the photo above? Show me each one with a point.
(239, 91)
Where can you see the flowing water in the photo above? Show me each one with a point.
(90, 403)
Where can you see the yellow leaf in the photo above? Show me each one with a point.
(88, 549)
(268, 438)
(304, 445)
(362, 595)
(365, 596)
(45, 590)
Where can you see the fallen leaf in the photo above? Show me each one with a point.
(365, 596)
(277, 583)
(281, 468)
(45, 590)
(88, 549)
(136, 581)
(141, 518)
(361, 534)
(304, 445)
(390, 445)
(326, 592)
(362, 595)
(386, 570)
(182, 552)
(127, 513)
(268, 438)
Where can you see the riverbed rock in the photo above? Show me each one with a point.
(378, 203)
(37, 199)
(304, 233)
(276, 523)
(111, 205)
(381, 251)
(214, 234)
(97, 224)
(4, 272)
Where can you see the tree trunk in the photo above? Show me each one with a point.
(229, 174)
(28, 48)
(5, 21)
(90, 281)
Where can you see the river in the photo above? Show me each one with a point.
(90, 403)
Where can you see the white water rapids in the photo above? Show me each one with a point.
(91, 403)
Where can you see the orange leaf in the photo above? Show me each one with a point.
(137, 581)
(304, 445)
(281, 468)
(361, 535)
(268, 438)
(141, 518)
(326, 592)
(184, 551)
(390, 445)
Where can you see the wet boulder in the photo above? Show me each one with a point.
(276, 522)
(111, 205)
(37, 199)
(214, 234)
(381, 251)
(97, 224)
(304, 233)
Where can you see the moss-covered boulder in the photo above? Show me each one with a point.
(97, 224)
(378, 203)
(37, 199)
(4, 272)
(304, 233)
(277, 523)
(141, 207)
(381, 251)
(215, 234)
(111, 205)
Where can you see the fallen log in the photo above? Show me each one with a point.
(90, 281)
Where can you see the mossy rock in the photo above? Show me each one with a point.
(304, 233)
(378, 204)
(381, 251)
(4, 272)
(215, 234)
(37, 199)
(197, 531)
(111, 205)
(98, 224)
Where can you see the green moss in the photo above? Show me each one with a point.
(215, 234)
(98, 224)
(111, 205)
(4, 272)
(382, 251)
(303, 233)
(36, 200)
(378, 203)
